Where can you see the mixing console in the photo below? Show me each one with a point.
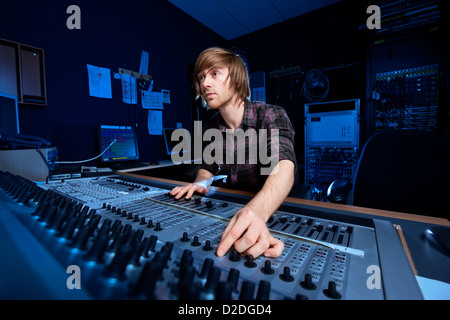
(130, 240)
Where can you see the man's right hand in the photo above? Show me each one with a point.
(189, 190)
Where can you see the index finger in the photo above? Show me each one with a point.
(234, 233)
(196, 188)
(180, 190)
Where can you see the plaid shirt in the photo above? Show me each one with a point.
(247, 172)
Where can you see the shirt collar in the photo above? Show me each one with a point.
(249, 119)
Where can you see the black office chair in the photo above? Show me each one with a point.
(400, 170)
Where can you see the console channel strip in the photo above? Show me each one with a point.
(135, 241)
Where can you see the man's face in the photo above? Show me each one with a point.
(215, 87)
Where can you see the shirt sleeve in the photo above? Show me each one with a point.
(213, 168)
(277, 118)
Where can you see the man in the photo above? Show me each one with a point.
(221, 79)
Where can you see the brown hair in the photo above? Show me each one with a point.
(218, 57)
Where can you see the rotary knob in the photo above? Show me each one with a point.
(267, 269)
(307, 282)
(185, 237)
(331, 291)
(250, 263)
(286, 275)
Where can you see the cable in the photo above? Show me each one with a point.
(341, 66)
(114, 141)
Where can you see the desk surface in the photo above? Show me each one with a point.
(319, 204)
(428, 261)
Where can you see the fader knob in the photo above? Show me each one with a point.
(331, 291)
(97, 250)
(209, 204)
(196, 242)
(234, 256)
(213, 280)
(207, 266)
(250, 263)
(267, 269)
(307, 283)
(185, 237)
(233, 278)
(286, 275)
(158, 226)
(117, 267)
(187, 274)
(263, 290)
(247, 291)
(152, 243)
(186, 258)
(207, 246)
(146, 282)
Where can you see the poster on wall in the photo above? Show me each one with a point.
(99, 82)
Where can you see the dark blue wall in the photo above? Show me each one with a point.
(113, 34)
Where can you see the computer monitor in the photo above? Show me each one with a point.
(185, 138)
(124, 149)
(9, 115)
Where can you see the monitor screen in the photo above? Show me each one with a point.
(338, 129)
(124, 149)
(9, 115)
(333, 128)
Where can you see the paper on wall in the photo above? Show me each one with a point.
(99, 82)
(129, 88)
(155, 123)
(143, 68)
(165, 96)
(152, 100)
